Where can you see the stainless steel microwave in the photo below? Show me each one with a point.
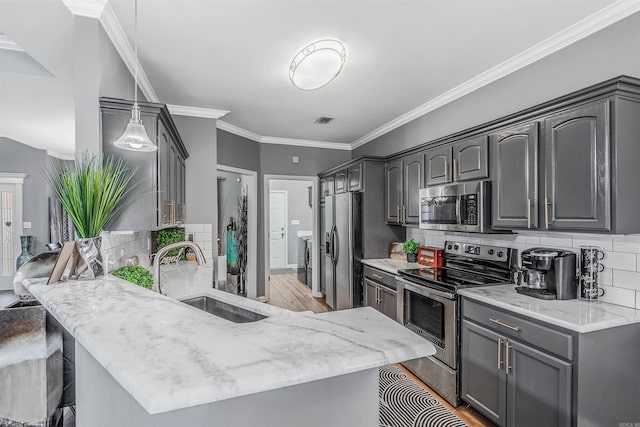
(464, 206)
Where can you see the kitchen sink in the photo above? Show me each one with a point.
(222, 309)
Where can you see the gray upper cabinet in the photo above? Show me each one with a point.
(471, 159)
(412, 180)
(341, 184)
(354, 177)
(393, 191)
(577, 173)
(514, 169)
(403, 178)
(438, 165)
(159, 197)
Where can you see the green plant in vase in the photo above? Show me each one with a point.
(92, 190)
(410, 248)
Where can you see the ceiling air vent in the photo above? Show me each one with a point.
(323, 120)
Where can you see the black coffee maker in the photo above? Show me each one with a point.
(548, 274)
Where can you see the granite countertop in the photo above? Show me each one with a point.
(390, 265)
(576, 315)
(169, 355)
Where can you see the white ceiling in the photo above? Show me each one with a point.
(234, 55)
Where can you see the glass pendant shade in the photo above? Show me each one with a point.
(135, 136)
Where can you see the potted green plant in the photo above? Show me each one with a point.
(92, 190)
(135, 274)
(410, 248)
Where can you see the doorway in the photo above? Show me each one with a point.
(10, 225)
(291, 254)
(237, 243)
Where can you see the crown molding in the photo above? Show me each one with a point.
(88, 8)
(7, 44)
(236, 130)
(208, 113)
(305, 143)
(119, 39)
(58, 155)
(581, 29)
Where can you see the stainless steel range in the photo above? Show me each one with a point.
(428, 305)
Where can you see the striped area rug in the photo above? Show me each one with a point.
(403, 403)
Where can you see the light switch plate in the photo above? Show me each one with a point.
(295, 159)
(295, 222)
(26, 224)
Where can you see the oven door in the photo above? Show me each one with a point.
(430, 313)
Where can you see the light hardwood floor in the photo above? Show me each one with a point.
(287, 292)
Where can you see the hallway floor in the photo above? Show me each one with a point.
(287, 292)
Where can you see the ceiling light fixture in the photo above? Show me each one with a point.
(135, 136)
(317, 64)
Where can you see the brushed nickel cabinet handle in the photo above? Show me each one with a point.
(377, 276)
(455, 169)
(497, 322)
(446, 170)
(546, 212)
(399, 219)
(528, 213)
(500, 353)
(404, 214)
(508, 366)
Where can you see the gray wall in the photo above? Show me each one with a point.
(601, 56)
(238, 152)
(20, 158)
(297, 209)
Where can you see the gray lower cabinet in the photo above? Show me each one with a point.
(514, 371)
(514, 172)
(577, 170)
(381, 298)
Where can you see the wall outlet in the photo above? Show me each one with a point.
(295, 222)
(26, 224)
(295, 159)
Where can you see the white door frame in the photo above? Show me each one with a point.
(17, 180)
(286, 227)
(315, 250)
(252, 229)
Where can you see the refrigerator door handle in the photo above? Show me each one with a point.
(335, 246)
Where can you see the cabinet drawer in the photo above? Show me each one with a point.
(379, 276)
(511, 325)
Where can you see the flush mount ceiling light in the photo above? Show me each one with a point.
(135, 136)
(317, 64)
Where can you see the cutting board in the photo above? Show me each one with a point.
(396, 251)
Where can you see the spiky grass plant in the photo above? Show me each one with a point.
(92, 190)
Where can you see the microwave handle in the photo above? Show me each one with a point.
(458, 209)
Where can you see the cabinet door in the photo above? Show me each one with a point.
(370, 294)
(471, 159)
(393, 191)
(330, 185)
(388, 302)
(483, 377)
(514, 166)
(164, 174)
(538, 388)
(341, 182)
(438, 165)
(354, 177)
(413, 177)
(577, 175)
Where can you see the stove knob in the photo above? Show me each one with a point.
(491, 251)
(449, 247)
(456, 247)
(500, 254)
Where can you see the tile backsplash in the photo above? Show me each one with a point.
(116, 245)
(202, 236)
(620, 279)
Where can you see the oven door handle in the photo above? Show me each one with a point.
(425, 290)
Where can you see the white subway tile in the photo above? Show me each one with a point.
(629, 243)
(528, 239)
(605, 278)
(603, 242)
(638, 262)
(619, 296)
(565, 241)
(194, 228)
(208, 228)
(637, 300)
(626, 279)
(620, 261)
(207, 245)
(202, 237)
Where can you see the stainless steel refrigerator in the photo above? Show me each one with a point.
(342, 248)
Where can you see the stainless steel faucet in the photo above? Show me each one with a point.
(162, 252)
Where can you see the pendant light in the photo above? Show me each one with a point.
(135, 136)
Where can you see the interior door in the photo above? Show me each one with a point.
(8, 235)
(277, 229)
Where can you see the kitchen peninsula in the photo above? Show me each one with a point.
(146, 359)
